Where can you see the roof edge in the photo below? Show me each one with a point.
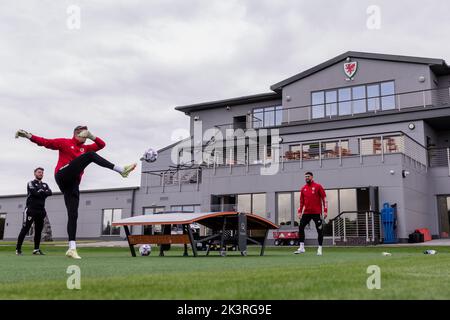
(355, 54)
(229, 102)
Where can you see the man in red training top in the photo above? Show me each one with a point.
(312, 196)
(74, 157)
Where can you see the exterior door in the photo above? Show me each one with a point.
(444, 216)
(2, 224)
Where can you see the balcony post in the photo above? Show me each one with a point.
(367, 227)
(448, 160)
(247, 157)
(382, 149)
(265, 155)
(198, 176)
(424, 100)
(282, 157)
(231, 159)
(320, 153)
(360, 151)
(345, 231)
(164, 182)
(301, 156)
(332, 224)
(179, 179)
(340, 152)
(373, 226)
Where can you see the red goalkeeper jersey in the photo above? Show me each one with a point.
(68, 149)
(311, 198)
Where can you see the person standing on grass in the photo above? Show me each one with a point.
(37, 192)
(312, 197)
(74, 157)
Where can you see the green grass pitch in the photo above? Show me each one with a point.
(341, 273)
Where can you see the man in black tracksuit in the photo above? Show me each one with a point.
(37, 192)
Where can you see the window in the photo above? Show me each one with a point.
(359, 99)
(258, 118)
(244, 202)
(284, 204)
(318, 104)
(109, 216)
(157, 228)
(387, 99)
(338, 201)
(373, 95)
(187, 208)
(178, 228)
(393, 144)
(347, 202)
(331, 149)
(345, 107)
(254, 203)
(267, 117)
(371, 146)
(259, 204)
(331, 103)
(353, 100)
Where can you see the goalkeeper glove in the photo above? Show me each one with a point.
(23, 134)
(86, 134)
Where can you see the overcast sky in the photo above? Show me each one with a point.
(131, 62)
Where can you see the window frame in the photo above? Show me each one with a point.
(276, 111)
(351, 101)
(112, 220)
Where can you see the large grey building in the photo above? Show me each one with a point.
(373, 128)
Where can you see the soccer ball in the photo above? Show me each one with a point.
(145, 250)
(150, 155)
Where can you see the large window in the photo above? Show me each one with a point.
(267, 117)
(254, 203)
(338, 201)
(353, 100)
(284, 204)
(108, 217)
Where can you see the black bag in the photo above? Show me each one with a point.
(415, 237)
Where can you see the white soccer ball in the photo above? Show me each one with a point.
(150, 155)
(145, 250)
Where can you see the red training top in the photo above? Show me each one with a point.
(68, 149)
(311, 198)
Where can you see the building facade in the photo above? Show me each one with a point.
(373, 128)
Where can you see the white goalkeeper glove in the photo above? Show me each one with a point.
(86, 134)
(23, 134)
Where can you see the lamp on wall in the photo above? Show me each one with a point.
(405, 173)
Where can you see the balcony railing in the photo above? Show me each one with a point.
(173, 177)
(356, 228)
(438, 97)
(319, 150)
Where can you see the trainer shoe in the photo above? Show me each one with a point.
(128, 169)
(38, 252)
(299, 250)
(19, 253)
(72, 253)
(319, 251)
